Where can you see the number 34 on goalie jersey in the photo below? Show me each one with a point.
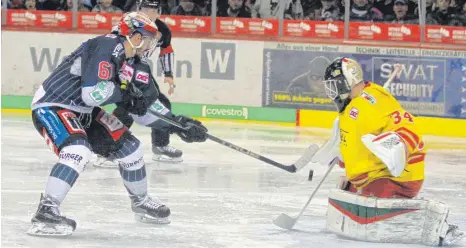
(376, 112)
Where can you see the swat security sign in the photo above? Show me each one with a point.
(218, 60)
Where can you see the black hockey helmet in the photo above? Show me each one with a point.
(153, 4)
(339, 77)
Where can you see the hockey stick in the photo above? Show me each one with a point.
(300, 163)
(287, 222)
(398, 68)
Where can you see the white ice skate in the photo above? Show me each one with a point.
(454, 235)
(149, 210)
(167, 154)
(103, 162)
(48, 221)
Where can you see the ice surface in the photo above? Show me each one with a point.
(218, 197)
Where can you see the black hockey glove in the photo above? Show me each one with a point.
(194, 130)
(133, 99)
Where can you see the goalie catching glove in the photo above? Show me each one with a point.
(193, 130)
(390, 148)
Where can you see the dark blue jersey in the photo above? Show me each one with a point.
(146, 83)
(86, 78)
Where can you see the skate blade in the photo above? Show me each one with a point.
(454, 239)
(144, 218)
(105, 165)
(42, 229)
(166, 159)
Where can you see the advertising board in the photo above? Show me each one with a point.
(430, 83)
(205, 71)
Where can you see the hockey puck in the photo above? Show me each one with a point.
(311, 174)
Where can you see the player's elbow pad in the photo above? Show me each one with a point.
(389, 148)
(98, 94)
(87, 98)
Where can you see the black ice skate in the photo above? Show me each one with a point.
(149, 210)
(167, 154)
(48, 221)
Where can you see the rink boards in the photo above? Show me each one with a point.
(248, 81)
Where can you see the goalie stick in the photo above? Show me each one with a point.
(299, 164)
(398, 68)
(287, 222)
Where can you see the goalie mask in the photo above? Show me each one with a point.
(340, 77)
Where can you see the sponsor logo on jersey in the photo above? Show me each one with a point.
(71, 156)
(126, 72)
(353, 113)
(368, 97)
(158, 107)
(117, 50)
(142, 77)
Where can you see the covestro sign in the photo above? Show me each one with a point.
(225, 112)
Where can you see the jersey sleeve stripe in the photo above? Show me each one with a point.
(382, 136)
(416, 158)
(408, 136)
(407, 140)
(166, 50)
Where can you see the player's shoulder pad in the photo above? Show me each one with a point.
(117, 49)
(110, 43)
(373, 94)
(142, 63)
(142, 72)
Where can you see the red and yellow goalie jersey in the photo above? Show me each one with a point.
(375, 112)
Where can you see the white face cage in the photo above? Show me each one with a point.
(331, 88)
(146, 47)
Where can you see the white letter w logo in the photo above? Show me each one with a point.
(217, 60)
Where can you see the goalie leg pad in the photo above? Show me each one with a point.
(387, 220)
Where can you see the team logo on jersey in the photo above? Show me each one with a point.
(142, 77)
(368, 97)
(353, 113)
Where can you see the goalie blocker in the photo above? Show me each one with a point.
(390, 220)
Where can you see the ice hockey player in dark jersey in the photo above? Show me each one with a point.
(66, 112)
(161, 149)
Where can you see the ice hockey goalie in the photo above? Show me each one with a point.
(382, 152)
